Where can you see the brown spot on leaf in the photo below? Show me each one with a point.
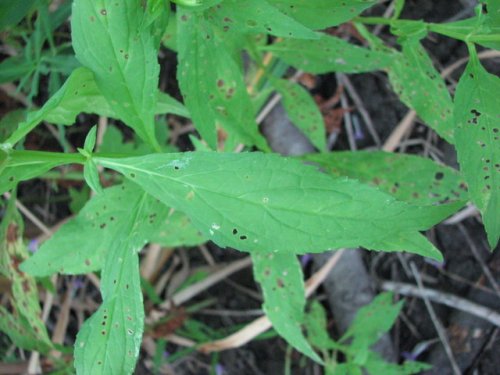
(12, 233)
(26, 286)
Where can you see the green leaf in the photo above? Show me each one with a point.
(9, 123)
(409, 178)
(113, 142)
(420, 86)
(371, 322)
(303, 111)
(169, 39)
(110, 340)
(481, 30)
(90, 140)
(15, 68)
(245, 200)
(91, 175)
(78, 199)
(80, 94)
(11, 12)
(377, 365)
(258, 16)
(320, 14)
(282, 282)
(24, 326)
(477, 138)
(167, 104)
(22, 166)
(114, 40)
(328, 54)
(99, 223)
(316, 327)
(212, 84)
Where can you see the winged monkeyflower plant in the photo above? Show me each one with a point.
(258, 202)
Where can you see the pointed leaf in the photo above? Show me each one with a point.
(91, 175)
(212, 84)
(328, 54)
(409, 178)
(110, 340)
(420, 86)
(24, 165)
(303, 111)
(317, 330)
(9, 123)
(98, 224)
(372, 321)
(116, 41)
(14, 68)
(320, 14)
(282, 282)
(90, 140)
(246, 200)
(12, 12)
(377, 365)
(80, 94)
(258, 16)
(477, 138)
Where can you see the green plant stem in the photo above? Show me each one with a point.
(44, 156)
(57, 157)
(442, 29)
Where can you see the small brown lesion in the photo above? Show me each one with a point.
(12, 234)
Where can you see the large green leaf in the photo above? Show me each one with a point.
(212, 84)
(257, 16)
(24, 326)
(280, 276)
(110, 340)
(116, 40)
(420, 86)
(329, 54)
(262, 202)
(303, 111)
(320, 14)
(98, 225)
(477, 136)
(409, 178)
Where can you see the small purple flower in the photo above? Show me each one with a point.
(408, 356)
(77, 283)
(358, 134)
(418, 350)
(305, 260)
(435, 263)
(33, 246)
(219, 369)
(166, 354)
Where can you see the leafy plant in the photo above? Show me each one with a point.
(258, 202)
(369, 324)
